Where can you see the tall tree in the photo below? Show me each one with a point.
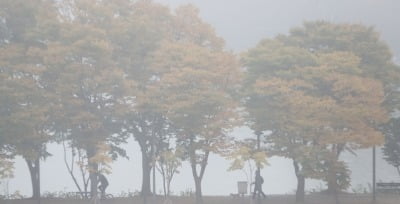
(27, 28)
(136, 33)
(86, 81)
(194, 93)
(364, 42)
(192, 84)
(317, 104)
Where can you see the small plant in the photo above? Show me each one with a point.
(16, 195)
(188, 193)
(48, 194)
(128, 194)
(360, 189)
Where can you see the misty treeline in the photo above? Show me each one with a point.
(91, 74)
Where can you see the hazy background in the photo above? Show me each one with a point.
(243, 23)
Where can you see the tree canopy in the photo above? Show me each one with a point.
(91, 74)
(320, 92)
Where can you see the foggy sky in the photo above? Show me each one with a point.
(242, 23)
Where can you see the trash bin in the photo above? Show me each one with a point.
(242, 187)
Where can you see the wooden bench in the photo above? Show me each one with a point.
(389, 187)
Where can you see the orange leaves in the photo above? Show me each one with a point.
(332, 100)
(341, 62)
(190, 76)
(312, 90)
(277, 85)
(192, 83)
(188, 27)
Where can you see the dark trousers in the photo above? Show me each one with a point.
(258, 191)
(103, 190)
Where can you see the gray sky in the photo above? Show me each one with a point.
(242, 23)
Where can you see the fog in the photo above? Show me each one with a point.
(242, 23)
(126, 174)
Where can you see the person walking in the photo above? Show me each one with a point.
(258, 181)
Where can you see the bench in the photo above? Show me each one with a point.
(78, 195)
(84, 195)
(388, 187)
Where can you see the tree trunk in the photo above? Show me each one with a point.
(398, 169)
(93, 179)
(333, 187)
(146, 169)
(93, 170)
(169, 186)
(197, 180)
(331, 180)
(300, 189)
(300, 183)
(34, 170)
(70, 169)
(198, 177)
(164, 177)
(199, 196)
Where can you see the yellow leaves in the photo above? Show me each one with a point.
(178, 55)
(190, 82)
(55, 55)
(260, 158)
(6, 167)
(342, 62)
(10, 53)
(244, 155)
(271, 56)
(236, 164)
(171, 159)
(331, 101)
(102, 158)
(21, 59)
(277, 85)
(188, 27)
(239, 157)
(357, 90)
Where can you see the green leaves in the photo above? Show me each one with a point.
(391, 149)
(6, 168)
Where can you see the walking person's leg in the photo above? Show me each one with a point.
(256, 192)
(262, 193)
(257, 197)
(104, 191)
(101, 188)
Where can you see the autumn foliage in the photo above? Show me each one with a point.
(90, 75)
